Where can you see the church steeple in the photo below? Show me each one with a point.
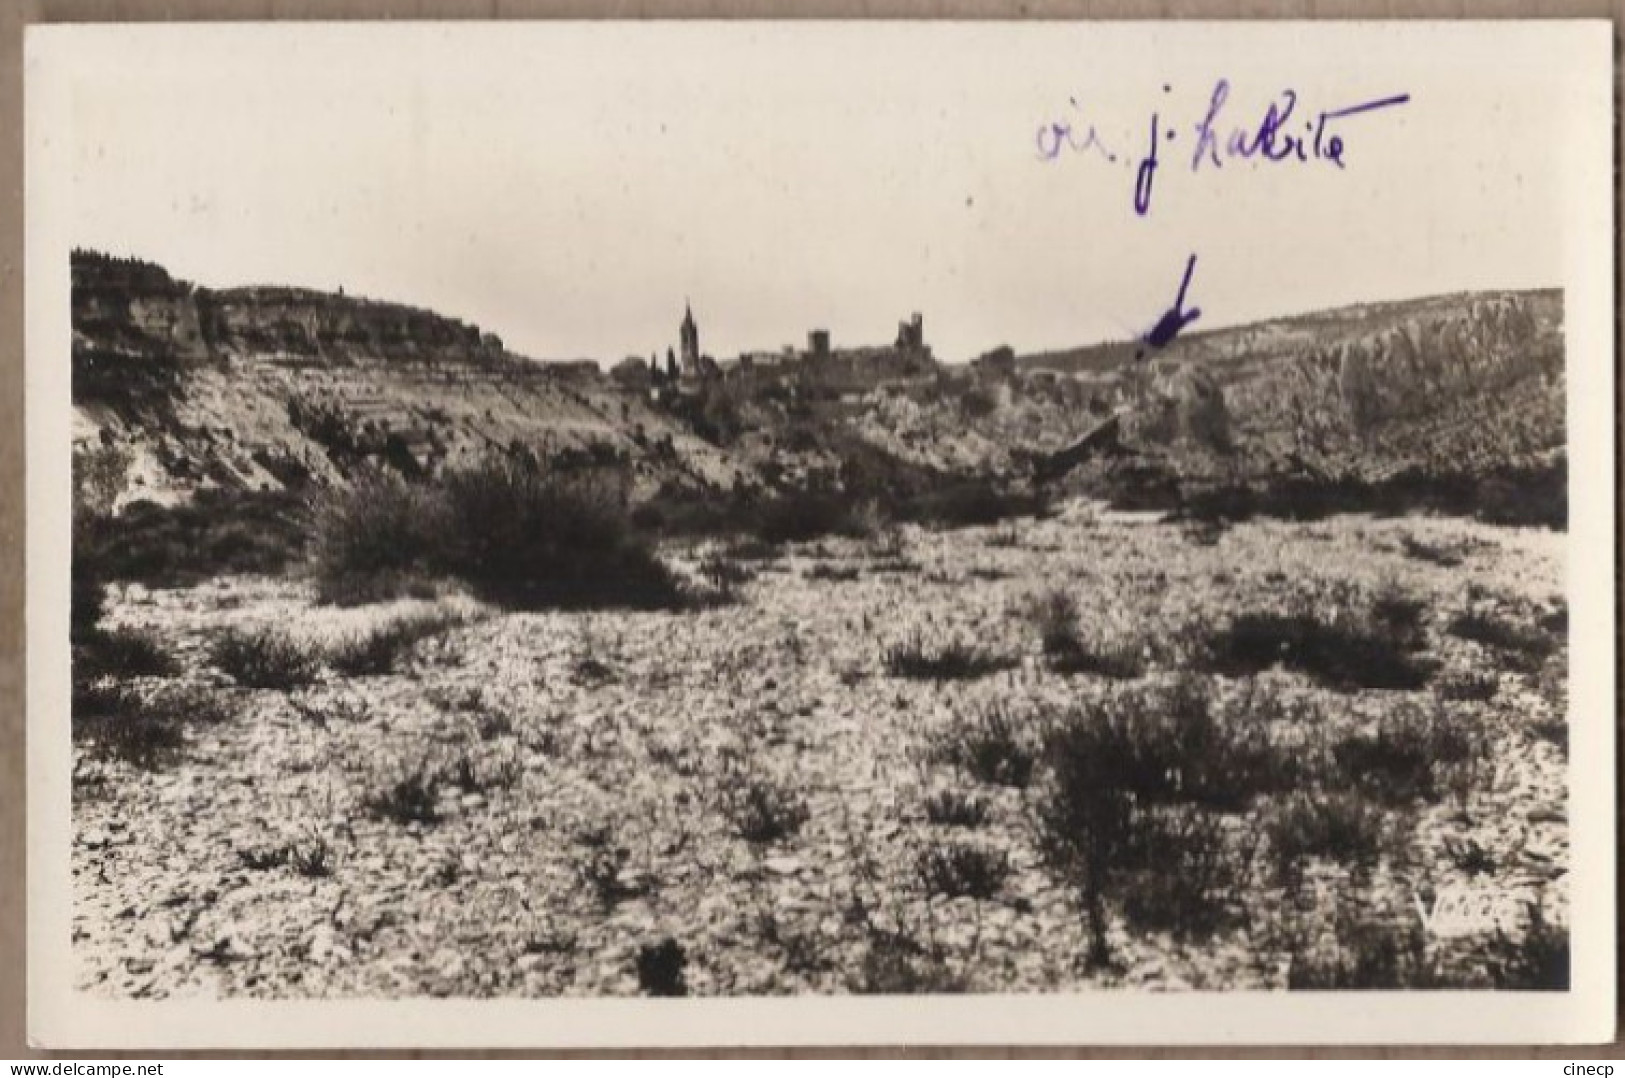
(689, 339)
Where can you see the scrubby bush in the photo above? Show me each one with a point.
(1338, 826)
(1176, 747)
(312, 857)
(896, 964)
(1085, 813)
(834, 573)
(725, 574)
(953, 661)
(1182, 873)
(472, 776)
(1468, 686)
(990, 745)
(973, 503)
(515, 533)
(1055, 615)
(372, 540)
(951, 808)
(409, 795)
(263, 858)
(124, 653)
(1447, 556)
(1135, 773)
(1535, 496)
(762, 811)
(217, 532)
(546, 540)
(264, 659)
(380, 650)
(1123, 660)
(1414, 752)
(1522, 648)
(1348, 648)
(660, 968)
(963, 870)
(144, 729)
(118, 722)
(1535, 960)
(801, 516)
(1368, 953)
(98, 478)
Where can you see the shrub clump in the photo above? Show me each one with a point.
(1131, 781)
(1057, 618)
(543, 539)
(962, 870)
(411, 795)
(801, 516)
(144, 729)
(1353, 647)
(1182, 875)
(835, 574)
(381, 650)
(1413, 753)
(951, 808)
(217, 532)
(991, 746)
(117, 721)
(1368, 953)
(123, 653)
(1122, 660)
(660, 968)
(1523, 648)
(264, 659)
(763, 812)
(1341, 827)
(974, 503)
(954, 661)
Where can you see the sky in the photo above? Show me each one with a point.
(571, 186)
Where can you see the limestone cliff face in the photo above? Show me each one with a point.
(1454, 383)
(268, 388)
(135, 329)
(297, 324)
(125, 309)
(273, 387)
(1470, 383)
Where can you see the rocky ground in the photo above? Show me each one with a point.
(734, 800)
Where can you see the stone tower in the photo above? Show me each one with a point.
(689, 341)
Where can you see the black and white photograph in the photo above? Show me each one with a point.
(1025, 519)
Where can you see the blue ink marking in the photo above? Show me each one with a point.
(1270, 140)
(1054, 137)
(1369, 106)
(1174, 319)
(1273, 139)
(1146, 174)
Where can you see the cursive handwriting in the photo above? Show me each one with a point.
(1286, 133)
(1271, 138)
(1061, 134)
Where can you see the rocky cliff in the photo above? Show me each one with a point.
(264, 388)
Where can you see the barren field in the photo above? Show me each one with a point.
(849, 773)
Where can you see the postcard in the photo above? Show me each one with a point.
(728, 533)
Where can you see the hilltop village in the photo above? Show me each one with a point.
(819, 367)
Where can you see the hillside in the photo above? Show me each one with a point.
(262, 388)
(271, 388)
(1467, 381)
